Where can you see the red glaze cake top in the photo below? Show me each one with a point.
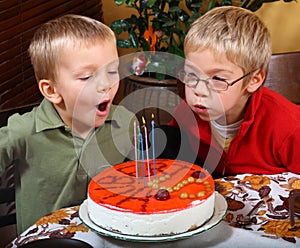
(178, 185)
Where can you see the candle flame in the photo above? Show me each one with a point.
(152, 116)
(143, 119)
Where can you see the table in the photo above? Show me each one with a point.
(269, 228)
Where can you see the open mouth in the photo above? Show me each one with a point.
(201, 107)
(102, 106)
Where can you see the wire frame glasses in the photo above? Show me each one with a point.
(216, 84)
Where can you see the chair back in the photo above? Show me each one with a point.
(284, 75)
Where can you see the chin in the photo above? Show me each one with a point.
(99, 123)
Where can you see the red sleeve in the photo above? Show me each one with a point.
(289, 152)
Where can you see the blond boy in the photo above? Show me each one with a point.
(241, 126)
(76, 130)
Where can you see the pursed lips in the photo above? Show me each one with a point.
(199, 108)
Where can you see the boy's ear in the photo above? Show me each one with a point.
(48, 90)
(256, 80)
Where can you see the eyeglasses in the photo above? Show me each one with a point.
(216, 84)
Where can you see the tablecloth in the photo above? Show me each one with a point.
(269, 226)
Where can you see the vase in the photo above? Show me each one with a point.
(149, 97)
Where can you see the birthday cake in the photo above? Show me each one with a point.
(166, 197)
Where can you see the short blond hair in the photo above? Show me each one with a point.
(236, 32)
(52, 37)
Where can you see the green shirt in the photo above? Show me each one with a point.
(54, 165)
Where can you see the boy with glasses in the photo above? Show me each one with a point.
(234, 124)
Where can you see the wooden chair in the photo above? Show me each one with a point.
(284, 75)
(7, 186)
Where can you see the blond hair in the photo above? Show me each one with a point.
(52, 37)
(234, 32)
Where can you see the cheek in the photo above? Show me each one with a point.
(81, 96)
(225, 102)
(115, 89)
(189, 94)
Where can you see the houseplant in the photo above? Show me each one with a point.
(155, 28)
(161, 25)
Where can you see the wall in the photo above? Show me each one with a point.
(281, 18)
(283, 21)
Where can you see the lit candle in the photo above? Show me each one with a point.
(147, 147)
(153, 147)
(138, 155)
(135, 149)
(142, 151)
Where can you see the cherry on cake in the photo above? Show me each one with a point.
(176, 198)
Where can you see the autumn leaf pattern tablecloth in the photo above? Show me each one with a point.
(242, 193)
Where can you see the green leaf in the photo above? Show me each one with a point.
(120, 25)
(210, 5)
(122, 43)
(169, 24)
(225, 3)
(174, 9)
(144, 45)
(197, 5)
(147, 4)
(183, 16)
(150, 3)
(245, 3)
(134, 40)
(255, 5)
(193, 18)
(119, 2)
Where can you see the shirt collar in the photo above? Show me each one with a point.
(251, 109)
(253, 105)
(47, 117)
(114, 116)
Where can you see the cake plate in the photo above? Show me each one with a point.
(219, 213)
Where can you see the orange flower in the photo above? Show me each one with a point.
(150, 37)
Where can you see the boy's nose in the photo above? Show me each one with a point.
(201, 89)
(102, 90)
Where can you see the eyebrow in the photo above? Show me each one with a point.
(112, 64)
(191, 66)
(196, 69)
(211, 71)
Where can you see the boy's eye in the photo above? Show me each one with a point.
(113, 75)
(219, 78)
(85, 78)
(191, 74)
(113, 72)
